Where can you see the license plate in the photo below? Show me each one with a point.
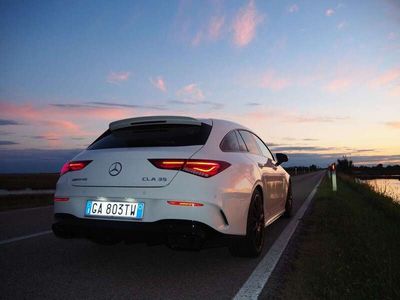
(114, 209)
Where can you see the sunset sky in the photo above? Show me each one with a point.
(315, 79)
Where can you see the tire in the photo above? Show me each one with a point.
(289, 202)
(252, 244)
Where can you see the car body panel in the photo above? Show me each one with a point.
(225, 197)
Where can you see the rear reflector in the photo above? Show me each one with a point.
(184, 203)
(58, 199)
(74, 166)
(200, 167)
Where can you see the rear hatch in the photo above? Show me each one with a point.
(120, 156)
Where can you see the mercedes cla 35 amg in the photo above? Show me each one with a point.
(177, 180)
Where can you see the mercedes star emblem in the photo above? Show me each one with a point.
(115, 169)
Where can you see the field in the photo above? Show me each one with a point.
(41, 181)
(45, 181)
(347, 247)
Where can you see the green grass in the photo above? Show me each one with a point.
(32, 181)
(348, 247)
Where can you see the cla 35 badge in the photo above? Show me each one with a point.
(115, 169)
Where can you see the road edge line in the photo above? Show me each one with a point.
(20, 238)
(254, 285)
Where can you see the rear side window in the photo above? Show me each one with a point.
(230, 143)
(251, 142)
(167, 135)
(242, 145)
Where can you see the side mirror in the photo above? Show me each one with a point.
(281, 158)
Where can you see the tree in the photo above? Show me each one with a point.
(345, 165)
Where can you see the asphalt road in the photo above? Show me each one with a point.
(47, 267)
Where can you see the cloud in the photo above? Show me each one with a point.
(394, 124)
(100, 104)
(6, 143)
(302, 148)
(245, 24)
(315, 119)
(392, 36)
(395, 92)
(197, 38)
(45, 137)
(329, 12)
(215, 27)
(293, 8)
(253, 103)
(212, 32)
(117, 77)
(4, 122)
(271, 80)
(386, 78)
(341, 25)
(159, 83)
(190, 93)
(338, 84)
(106, 105)
(285, 116)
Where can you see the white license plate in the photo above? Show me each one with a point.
(114, 209)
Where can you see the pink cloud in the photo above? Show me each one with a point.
(338, 85)
(293, 8)
(329, 12)
(63, 118)
(395, 92)
(116, 77)
(388, 77)
(215, 27)
(245, 24)
(212, 33)
(395, 124)
(270, 80)
(197, 38)
(159, 83)
(190, 93)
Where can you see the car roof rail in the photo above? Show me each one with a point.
(153, 120)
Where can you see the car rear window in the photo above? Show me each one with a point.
(167, 135)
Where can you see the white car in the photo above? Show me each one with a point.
(177, 180)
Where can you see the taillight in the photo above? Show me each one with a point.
(184, 203)
(199, 167)
(74, 166)
(59, 199)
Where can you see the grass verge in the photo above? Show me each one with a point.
(347, 247)
(25, 201)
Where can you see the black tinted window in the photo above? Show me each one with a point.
(167, 135)
(251, 142)
(230, 143)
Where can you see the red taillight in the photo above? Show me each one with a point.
(200, 167)
(74, 166)
(184, 203)
(59, 199)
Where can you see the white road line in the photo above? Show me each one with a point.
(254, 285)
(20, 238)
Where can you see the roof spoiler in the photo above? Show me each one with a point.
(154, 120)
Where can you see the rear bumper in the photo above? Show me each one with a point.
(165, 231)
